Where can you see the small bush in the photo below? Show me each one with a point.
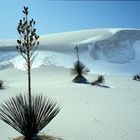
(99, 81)
(79, 69)
(1, 84)
(136, 77)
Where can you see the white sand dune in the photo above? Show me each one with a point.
(88, 112)
(104, 51)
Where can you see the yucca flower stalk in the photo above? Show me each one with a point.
(27, 44)
(28, 114)
(79, 68)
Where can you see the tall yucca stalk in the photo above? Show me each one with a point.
(77, 52)
(27, 44)
(78, 68)
(28, 114)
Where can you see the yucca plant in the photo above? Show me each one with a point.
(26, 113)
(28, 121)
(79, 70)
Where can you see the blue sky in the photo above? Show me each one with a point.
(63, 16)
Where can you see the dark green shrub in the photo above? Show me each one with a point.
(136, 77)
(1, 84)
(79, 69)
(100, 80)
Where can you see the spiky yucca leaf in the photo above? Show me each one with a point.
(29, 122)
(79, 69)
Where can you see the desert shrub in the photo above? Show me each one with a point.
(99, 81)
(1, 84)
(79, 69)
(136, 77)
(28, 121)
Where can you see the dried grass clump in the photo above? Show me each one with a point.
(100, 80)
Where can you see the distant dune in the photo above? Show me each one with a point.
(110, 51)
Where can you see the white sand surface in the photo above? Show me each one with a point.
(88, 112)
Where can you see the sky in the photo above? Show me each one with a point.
(64, 16)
